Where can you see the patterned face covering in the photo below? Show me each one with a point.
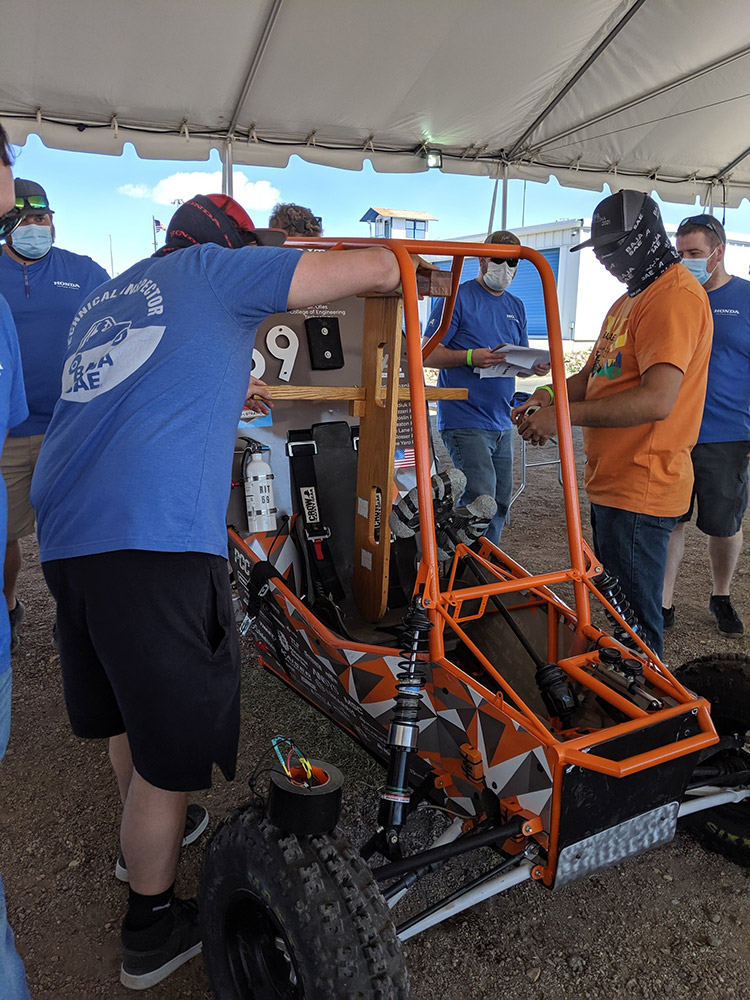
(641, 256)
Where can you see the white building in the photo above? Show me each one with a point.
(397, 223)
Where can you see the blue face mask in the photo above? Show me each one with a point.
(32, 241)
(698, 266)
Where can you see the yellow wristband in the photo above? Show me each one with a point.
(549, 390)
(468, 356)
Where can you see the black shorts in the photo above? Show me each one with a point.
(149, 647)
(721, 487)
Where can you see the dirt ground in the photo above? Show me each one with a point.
(670, 925)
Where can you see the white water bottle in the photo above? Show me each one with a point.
(258, 477)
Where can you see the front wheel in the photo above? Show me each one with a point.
(724, 681)
(288, 917)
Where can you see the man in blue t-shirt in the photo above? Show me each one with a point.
(44, 287)
(12, 411)
(131, 491)
(477, 431)
(720, 458)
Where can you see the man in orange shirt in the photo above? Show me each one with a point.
(639, 398)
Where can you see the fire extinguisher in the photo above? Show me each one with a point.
(258, 478)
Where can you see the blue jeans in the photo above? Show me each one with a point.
(633, 547)
(12, 975)
(486, 459)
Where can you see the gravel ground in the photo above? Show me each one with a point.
(672, 924)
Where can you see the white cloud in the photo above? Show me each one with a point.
(135, 190)
(252, 195)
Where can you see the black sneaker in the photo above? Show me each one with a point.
(667, 615)
(196, 822)
(145, 967)
(16, 617)
(727, 620)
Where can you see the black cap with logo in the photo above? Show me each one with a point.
(614, 218)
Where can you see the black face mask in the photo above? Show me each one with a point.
(639, 258)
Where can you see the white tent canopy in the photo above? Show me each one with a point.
(653, 94)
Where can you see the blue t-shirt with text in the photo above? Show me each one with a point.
(480, 319)
(726, 414)
(138, 454)
(13, 410)
(44, 296)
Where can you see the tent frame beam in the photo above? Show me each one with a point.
(533, 150)
(254, 66)
(227, 164)
(730, 166)
(629, 14)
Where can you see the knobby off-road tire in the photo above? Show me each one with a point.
(294, 918)
(724, 681)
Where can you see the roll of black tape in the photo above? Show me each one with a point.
(296, 805)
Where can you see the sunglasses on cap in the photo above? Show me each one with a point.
(9, 222)
(510, 261)
(707, 221)
(35, 201)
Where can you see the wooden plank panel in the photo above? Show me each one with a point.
(377, 436)
(355, 392)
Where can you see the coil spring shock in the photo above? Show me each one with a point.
(404, 730)
(610, 587)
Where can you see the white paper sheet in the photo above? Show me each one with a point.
(518, 361)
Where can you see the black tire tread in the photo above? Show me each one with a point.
(325, 898)
(722, 678)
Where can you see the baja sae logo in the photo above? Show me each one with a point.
(97, 369)
(309, 504)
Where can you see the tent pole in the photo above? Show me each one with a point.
(492, 207)
(227, 169)
(505, 197)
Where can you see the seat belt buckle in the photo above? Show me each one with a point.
(316, 537)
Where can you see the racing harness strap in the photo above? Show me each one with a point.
(301, 449)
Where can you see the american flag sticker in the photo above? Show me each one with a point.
(404, 458)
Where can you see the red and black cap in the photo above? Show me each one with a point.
(215, 218)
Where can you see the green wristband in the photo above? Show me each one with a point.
(468, 356)
(549, 390)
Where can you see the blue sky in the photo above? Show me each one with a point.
(96, 197)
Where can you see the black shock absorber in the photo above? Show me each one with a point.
(404, 731)
(610, 587)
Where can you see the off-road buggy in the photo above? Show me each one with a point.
(562, 745)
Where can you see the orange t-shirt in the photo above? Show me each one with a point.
(647, 468)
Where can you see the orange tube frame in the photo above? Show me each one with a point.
(582, 563)
(428, 576)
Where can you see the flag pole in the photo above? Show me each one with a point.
(111, 256)
(153, 224)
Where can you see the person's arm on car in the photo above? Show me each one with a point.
(575, 384)
(646, 403)
(258, 397)
(334, 274)
(448, 357)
